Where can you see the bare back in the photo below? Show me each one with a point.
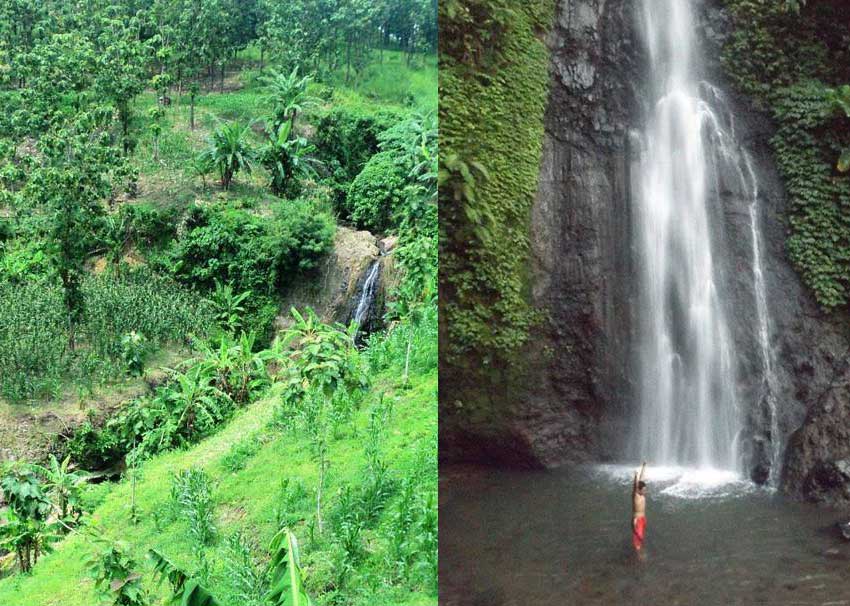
(638, 505)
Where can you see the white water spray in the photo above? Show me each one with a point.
(367, 294)
(690, 413)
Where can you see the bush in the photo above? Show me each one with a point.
(346, 137)
(249, 252)
(376, 193)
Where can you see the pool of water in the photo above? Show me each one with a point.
(563, 537)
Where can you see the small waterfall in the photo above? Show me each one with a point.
(689, 409)
(367, 295)
(769, 384)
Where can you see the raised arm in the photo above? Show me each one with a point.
(639, 476)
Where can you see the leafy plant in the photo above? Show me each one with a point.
(185, 590)
(287, 583)
(64, 485)
(229, 151)
(116, 576)
(288, 96)
(228, 306)
(287, 158)
(191, 492)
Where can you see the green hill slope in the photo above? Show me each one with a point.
(272, 466)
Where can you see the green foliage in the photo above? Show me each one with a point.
(287, 583)
(228, 306)
(793, 65)
(33, 355)
(245, 584)
(287, 159)
(346, 137)
(185, 590)
(191, 493)
(376, 194)
(116, 577)
(324, 358)
(494, 83)
(248, 252)
(133, 352)
(288, 96)
(64, 486)
(229, 151)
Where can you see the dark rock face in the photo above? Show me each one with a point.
(572, 400)
(580, 234)
(576, 401)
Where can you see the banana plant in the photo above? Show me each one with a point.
(287, 581)
(228, 150)
(185, 590)
(63, 484)
(287, 158)
(288, 95)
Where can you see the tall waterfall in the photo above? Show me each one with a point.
(690, 413)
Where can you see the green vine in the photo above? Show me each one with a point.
(492, 107)
(786, 59)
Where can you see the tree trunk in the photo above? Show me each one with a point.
(192, 112)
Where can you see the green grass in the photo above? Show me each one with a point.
(245, 499)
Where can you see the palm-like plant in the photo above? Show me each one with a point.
(63, 484)
(228, 306)
(286, 576)
(288, 95)
(287, 157)
(28, 538)
(229, 151)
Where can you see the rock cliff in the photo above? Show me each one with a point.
(575, 399)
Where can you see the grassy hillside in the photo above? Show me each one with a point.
(249, 460)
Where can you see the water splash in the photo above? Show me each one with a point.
(367, 294)
(689, 409)
(690, 413)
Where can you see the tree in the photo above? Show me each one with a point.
(122, 63)
(26, 531)
(228, 150)
(76, 171)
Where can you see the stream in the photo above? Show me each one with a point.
(511, 538)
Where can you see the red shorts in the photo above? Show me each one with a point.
(638, 530)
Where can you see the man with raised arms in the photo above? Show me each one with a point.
(639, 508)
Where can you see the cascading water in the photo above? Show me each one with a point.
(690, 414)
(367, 295)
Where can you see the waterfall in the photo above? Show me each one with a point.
(689, 408)
(367, 294)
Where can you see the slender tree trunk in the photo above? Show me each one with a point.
(192, 112)
(407, 359)
(348, 60)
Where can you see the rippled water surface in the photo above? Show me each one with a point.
(563, 537)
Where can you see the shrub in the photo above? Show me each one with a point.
(251, 253)
(346, 137)
(376, 194)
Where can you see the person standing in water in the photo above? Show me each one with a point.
(639, 508)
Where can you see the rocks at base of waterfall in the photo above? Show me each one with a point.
(817, 462)
(332, 291)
